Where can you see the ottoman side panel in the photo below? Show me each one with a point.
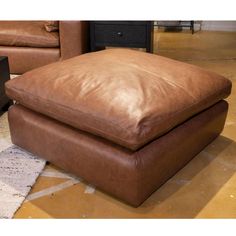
(130, 176)
(107, 166)
(162, 158)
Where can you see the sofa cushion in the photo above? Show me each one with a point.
(126, 96)
(22, 59)
(27, 34)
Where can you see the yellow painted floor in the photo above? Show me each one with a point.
(205, 188)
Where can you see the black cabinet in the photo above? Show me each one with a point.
(133, 34)
(4, 76)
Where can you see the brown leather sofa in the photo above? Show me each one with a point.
(28, 45)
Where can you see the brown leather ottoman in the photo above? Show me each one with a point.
(125, 121)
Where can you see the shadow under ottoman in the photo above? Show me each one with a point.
(130, 176)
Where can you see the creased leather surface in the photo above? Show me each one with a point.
(27, 34)
(130, 176)
(123, 95)
(52, 26)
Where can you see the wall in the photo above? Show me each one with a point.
(212, 25)
(218, 25)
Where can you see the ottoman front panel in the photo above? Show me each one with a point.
(126, 96)
(130, 176)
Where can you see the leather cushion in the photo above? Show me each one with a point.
(22, 59)
(27, 34)
(123, 95)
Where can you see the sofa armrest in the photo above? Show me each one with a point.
(73, 38)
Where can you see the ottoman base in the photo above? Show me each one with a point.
(130, 176)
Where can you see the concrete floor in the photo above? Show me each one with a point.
(205, 188)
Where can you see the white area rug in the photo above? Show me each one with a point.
(18, 172)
